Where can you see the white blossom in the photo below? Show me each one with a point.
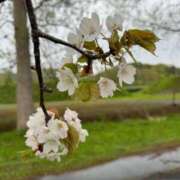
(29, 133)
(47, 140)
(53, 151)
(114, 23)
(58, 129)
(51, 146)
(82, 135)
(75, 39)
(67, 81)
(90, 28)
(36, 121)
(107, 87)
(32, 142)
(72, 119)
(72, 54)
(43, 135)
(52, 156)
(126, 73)
(70, 115)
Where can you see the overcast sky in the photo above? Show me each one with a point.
(167, 49)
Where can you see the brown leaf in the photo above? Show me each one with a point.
(114, 43)
(72, 141)
(144, 38)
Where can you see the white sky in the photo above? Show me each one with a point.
(167, 49)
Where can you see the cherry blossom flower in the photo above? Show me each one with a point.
(67, 81)
(51, 146)
(82, 135)
(114, 23)
(72, 119)
(126, 73)
(59, 129)
(48, 140)
(75, 39)
(45, 139)
(36, 121)
(52, 156)
(70, 115)
(56, 129)
(44, 135)
(32, 142)
(107, 87)
(90, 28)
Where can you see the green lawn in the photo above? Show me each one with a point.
(107, 140)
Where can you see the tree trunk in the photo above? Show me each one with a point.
(24, 76)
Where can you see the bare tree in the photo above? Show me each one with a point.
(162, 16)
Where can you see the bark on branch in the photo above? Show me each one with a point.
(36, 44)
(62, 42)
(2, 1)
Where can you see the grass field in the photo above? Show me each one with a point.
(10, 97)
(107, 141)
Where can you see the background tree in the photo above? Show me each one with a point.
(163, 16)
(24, 77)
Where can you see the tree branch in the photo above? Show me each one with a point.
(36, 44)
(62, 42)
(41, 3)
(2, 1)
(167, 28)
(36, 34)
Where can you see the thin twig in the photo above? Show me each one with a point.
(41, 3)
(36, 44)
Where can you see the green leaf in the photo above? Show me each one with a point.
(94, 91)
(87, 91)
(72, 66)
(90, 45)
(144, 38)
(82, 59)
(114, 42)
(83, 92)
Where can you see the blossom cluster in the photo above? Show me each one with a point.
(56, 138)
(87, 38)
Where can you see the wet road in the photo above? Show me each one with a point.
(129, 168)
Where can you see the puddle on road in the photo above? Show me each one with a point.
(128, 168)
